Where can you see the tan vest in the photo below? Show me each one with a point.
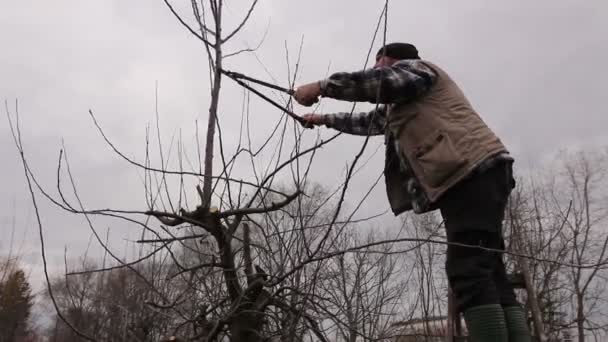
(441, 136)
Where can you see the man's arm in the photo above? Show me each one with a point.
(365, 123)
(401, 82)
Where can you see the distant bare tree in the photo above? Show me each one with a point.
(112, 305)
(363, 291)
(560, 217)
(431, 282)
(527, 236)
(584, 184)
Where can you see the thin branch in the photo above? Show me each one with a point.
(17, 139)
(179, 18)
(243, 22)
(250, 211)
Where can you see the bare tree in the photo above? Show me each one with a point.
(584, 179)
(426, 316)
(518, 243)
(363, 291)
(220, 280)
(112, 305)
(559, 217)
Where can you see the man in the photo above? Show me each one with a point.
(439, 155)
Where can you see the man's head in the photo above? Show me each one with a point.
(393, 52)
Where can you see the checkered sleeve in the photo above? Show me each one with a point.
(365, 123)
(403, 81)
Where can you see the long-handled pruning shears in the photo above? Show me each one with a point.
(238, 78)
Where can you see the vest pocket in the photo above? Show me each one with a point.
(438, 159)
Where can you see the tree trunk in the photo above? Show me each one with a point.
(246, 325)
(537, 316)
(215, 98)
(449, 336)
(580, 318)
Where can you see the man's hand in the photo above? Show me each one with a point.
(308, 94)
(312, 120)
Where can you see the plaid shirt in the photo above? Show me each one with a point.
(404, 81)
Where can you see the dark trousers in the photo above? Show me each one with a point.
(473, 211)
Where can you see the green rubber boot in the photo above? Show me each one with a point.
(486, 323)
(516, 324)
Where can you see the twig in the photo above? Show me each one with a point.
(19, 145)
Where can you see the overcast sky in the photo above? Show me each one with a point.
(535, 70)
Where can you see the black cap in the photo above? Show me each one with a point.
(399, 51)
